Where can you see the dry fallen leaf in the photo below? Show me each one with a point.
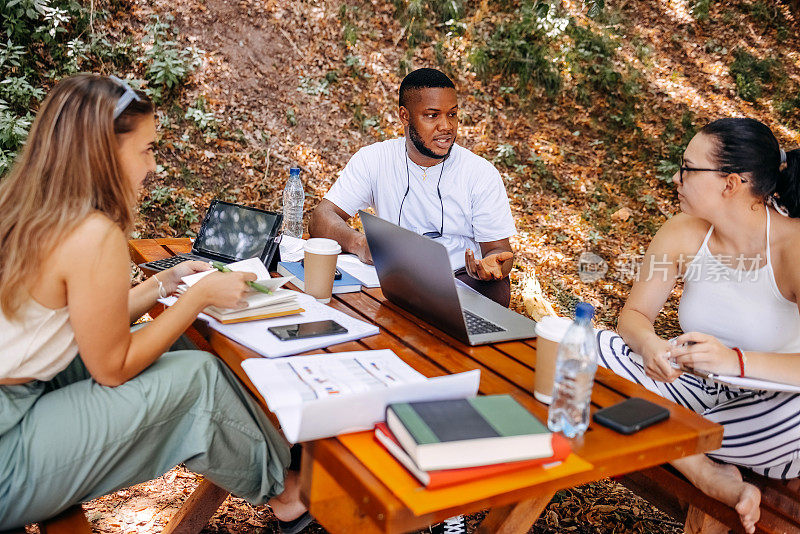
(622, 214)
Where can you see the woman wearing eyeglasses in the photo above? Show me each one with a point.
(736, 244)
(88, 406)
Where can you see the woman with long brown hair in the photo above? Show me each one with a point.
(87, 405)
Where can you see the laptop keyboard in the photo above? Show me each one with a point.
(166, 263)
(479, 325)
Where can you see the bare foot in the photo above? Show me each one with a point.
(287, 506)
(724, 483)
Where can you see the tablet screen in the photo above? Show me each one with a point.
(237, 232)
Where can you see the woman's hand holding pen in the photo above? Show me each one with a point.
(224, 290)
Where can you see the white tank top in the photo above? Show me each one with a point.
(39, 344)
(742, 306)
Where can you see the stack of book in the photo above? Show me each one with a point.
(272, 301)
(346, 284)
(453, 441)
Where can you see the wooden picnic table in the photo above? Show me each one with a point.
(346, 497)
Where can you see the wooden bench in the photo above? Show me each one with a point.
(668, 490)
(192, 516)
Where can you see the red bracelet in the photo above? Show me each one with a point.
(741, 360)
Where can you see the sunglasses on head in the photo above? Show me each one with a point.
(127, 97)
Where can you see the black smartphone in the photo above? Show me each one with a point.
(631, 415)
(289, 332)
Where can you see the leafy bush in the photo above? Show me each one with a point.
(700, 9)
(594, 72)
(171, 204)
(205, 120)
(46, 40)
(416, 16)
(522, 48)
(749, 73)
(42, 43)
(168, 64)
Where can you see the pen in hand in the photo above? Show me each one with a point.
(255, 285)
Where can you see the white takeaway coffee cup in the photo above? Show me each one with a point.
(550, 331)
(319, 265)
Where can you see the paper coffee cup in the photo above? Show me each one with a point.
(550, 331)
(320, 267)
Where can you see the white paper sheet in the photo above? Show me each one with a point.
(366, 274)
(255, 336)
(325, 395)
(250, 265)
(291, 248)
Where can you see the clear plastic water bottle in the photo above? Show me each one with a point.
(576, 364)
(293, 198)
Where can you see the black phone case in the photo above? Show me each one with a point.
(631, 415)
(274, 331)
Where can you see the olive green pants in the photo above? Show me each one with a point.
(70, 440)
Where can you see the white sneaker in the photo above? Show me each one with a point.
(454, 525)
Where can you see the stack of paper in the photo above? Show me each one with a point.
(325, 395)
(254, 335)
(350, 264)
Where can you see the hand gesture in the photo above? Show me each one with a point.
(171, 278)
(702, 351)
(224, 290)
(656, 356)
(488, 268)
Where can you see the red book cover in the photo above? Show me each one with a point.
(448, 477)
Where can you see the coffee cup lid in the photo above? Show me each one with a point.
(552, 327)
(320, 245)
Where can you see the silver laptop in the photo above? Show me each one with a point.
(415, 273)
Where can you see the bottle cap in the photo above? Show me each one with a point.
(294, 171)
(584, 310)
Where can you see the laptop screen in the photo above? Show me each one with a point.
(237, 232)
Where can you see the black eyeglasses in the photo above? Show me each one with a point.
(683, 168)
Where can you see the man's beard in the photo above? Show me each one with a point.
(413, 134)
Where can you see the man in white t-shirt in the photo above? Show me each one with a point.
(428, 184)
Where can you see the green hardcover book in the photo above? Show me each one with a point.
(451, 434)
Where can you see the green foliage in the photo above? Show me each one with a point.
(350, 31)
(417, 15)
(594, 71)
(522, 48)
(313, 86)
(45, 40)
(700, 9)
(750, 73)
(291, 116)
(361, 120)
(168, 64)
(178, 210)
(204, 119)
(40, 41)
(506, 155)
